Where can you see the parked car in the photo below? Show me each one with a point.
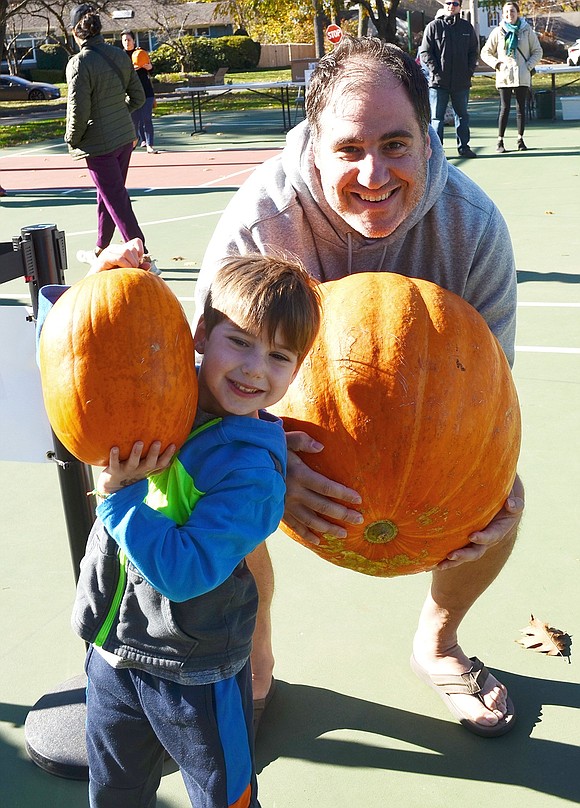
(574, 54)
(13, 88)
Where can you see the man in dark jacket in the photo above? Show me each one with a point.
(450, 51)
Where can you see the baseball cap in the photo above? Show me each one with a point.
(78, 12)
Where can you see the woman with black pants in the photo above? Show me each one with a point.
(512, 50)
(142, 117)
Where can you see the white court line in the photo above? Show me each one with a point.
(31, 151)
(158, 221)
(542, 349)
(210, 182)
(551, 305)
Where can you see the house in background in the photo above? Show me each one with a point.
(149, 20)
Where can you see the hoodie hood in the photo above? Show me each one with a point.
(298, 164)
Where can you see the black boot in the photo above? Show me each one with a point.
(500, 148)
(521, 145)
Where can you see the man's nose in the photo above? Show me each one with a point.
(373, 171)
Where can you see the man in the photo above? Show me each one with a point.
(361, 185)
(450, 50)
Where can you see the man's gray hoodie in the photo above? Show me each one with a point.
(455, 237)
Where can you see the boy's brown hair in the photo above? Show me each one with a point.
(263, 293)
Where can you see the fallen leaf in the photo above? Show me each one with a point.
(540, 637)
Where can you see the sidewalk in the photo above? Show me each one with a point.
(350, 726)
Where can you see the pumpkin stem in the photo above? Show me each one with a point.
(381, 532)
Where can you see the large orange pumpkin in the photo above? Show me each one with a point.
(413, 399)
(117, 365)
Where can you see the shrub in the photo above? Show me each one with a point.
(51, 56)
(237, 52)
(47, 76)
(201, 54)
(164, 59)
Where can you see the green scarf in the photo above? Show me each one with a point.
(511, 36)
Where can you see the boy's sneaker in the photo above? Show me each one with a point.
(86, 256)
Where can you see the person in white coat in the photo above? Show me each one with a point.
(512, 50)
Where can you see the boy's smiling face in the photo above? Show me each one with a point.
(242, 373)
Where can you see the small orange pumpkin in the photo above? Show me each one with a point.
(413, 399)
(117, 365)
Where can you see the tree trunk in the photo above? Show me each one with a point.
(318, 29)
(363, 22)
(3, 11)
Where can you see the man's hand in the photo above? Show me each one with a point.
(310, 496)
(121, 473)
(128, 255)
(502, 525)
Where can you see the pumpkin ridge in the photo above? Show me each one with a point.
(412, 449)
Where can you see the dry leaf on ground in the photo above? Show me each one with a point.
(538, 636)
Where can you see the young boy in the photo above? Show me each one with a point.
(164, 596)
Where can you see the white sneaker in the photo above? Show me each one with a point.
(86, 256)
(153, 268)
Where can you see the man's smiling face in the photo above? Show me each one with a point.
(371, 153)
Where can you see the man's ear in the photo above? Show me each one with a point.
(428, 149)
(200, 336)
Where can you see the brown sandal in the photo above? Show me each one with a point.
(470, 683)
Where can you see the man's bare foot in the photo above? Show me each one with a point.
(454, 661)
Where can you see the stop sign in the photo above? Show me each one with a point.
(334, 33)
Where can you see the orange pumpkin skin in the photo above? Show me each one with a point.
(117, 365)
(413, 399)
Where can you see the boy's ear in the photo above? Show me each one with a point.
(199, 336)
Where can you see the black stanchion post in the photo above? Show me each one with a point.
(55, 726)
(44, 253)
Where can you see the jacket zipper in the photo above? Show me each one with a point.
(101, 637)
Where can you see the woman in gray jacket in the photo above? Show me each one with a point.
(103, 91)
(512, 50)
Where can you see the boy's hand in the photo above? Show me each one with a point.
(121, 473)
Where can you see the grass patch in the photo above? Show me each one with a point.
(19, 134)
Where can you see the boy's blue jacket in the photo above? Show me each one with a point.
(163, 584)
(183, 603)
